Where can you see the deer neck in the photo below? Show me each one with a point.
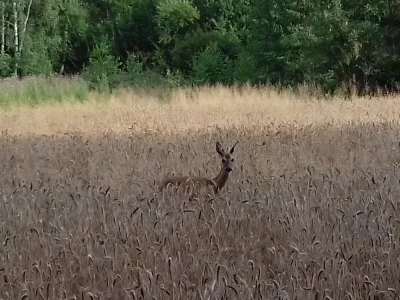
(221, 178)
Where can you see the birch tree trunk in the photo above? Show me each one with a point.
(16, 38)
(25, 25)
(19, 36)
(65, 49)
(3, 27)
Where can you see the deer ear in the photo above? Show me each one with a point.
(219, 149)
(233, 148)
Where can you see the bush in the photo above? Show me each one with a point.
(35, 57)
(186, 49)
(103, 68)
(211, 66)
(245, 68)
(5, 65)
(133, 72)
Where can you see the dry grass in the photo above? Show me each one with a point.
(310, 212)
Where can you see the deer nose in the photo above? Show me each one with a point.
(228, 169)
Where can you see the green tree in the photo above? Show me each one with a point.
(211, 66)
(173, 16)
(73, 25)
(331, 43)
(102, 69)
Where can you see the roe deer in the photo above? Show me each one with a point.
(216, 184)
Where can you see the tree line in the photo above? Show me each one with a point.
(333, 44)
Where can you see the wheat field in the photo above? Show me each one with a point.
(310, 211)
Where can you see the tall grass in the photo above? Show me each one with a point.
(36, 90)
(177, 110)
(310, 210)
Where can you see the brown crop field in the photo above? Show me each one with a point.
(310, 211)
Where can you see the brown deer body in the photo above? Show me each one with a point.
(216, 183)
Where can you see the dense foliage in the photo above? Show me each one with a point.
(335, 44)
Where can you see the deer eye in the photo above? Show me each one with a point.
(223, 160)
(232, 160)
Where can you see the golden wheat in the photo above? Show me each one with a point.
(310, 211)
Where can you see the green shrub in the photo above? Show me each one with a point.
(5, 65)
(102, 70)
(245, 68)
(35, 57)
(211, 66)
(191, 44)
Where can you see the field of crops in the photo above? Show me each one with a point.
(310, 211)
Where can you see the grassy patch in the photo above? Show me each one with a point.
(37, 90)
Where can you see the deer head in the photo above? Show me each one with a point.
(227, 157)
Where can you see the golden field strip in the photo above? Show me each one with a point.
(310, 211)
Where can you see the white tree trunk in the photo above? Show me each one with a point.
(19, 36)
(65, 47)
(16, 38)
(3, 27)
(22, 35)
